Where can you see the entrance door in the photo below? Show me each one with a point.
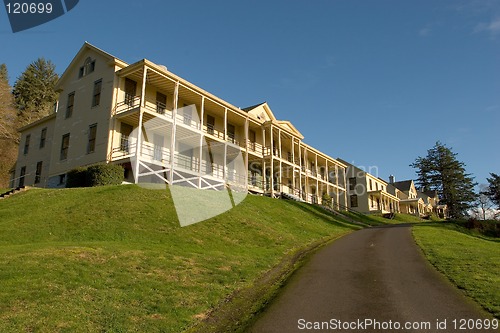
(125, 131)
(161, 103)
(130, 89)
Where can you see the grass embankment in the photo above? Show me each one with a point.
(114, 259)
(471, 263)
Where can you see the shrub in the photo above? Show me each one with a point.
(95, 175)
(104, 174)
(77, 177)
(326, 200)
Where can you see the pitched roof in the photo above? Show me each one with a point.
(252, 107)
(431, 194)
(87, 46)
(404, 185)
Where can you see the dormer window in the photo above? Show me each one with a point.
(87, 68)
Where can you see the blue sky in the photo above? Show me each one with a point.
(376, 83)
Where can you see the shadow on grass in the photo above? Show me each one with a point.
(321, 213)
(458, 226)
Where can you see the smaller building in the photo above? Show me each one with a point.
(367, 193)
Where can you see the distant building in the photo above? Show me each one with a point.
(369, 194)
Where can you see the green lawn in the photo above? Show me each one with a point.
(114, 259)
(471, 263)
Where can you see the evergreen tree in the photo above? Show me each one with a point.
(441, 171)
(34, 91)
(493, 190)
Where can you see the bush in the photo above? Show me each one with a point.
(104, 174)
(95, 175)
(326, 200)
(77, 177)
(487, 228)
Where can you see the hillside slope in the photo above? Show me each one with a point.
(115, 259)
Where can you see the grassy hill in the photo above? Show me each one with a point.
(470, 261)
(114, 259)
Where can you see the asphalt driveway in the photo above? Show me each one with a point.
(375, 276)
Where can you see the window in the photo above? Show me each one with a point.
(161, 103)
(70, 104)
(64, 147)
(92, 135)
(187, 115)
(210, 124)
(38, 172)
(252, 139)
(96, 96)
(21, 176)
(27, 144)
(352, 183)
(376, 186)
(130, 89)
(43, 137)
(371, 187)
(87, 68)
(354, 200)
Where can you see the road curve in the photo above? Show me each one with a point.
(376, 274)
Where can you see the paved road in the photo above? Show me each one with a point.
(376, 273)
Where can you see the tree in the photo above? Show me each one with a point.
(9, 137)
(484, 205)
(493, 190)
(34, 91)
(441, 171)
(4, 74)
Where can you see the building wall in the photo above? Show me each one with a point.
(83, 115)
(36, 153)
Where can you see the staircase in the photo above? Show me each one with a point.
(343, 216)
(12, 192)
(293, 197)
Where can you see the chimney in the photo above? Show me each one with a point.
(391, 179)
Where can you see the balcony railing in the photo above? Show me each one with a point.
(148, 151)
(255, 147)
(133, 102)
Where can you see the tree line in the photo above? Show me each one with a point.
(31, 98)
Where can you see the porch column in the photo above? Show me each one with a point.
(139, 128)
(247, 125)
(272, 161)
(202, 113)
(345, 187)
(264, 181)
(293, 165)
(317, 179)
(306, 179)
(172, 141)
(279, 143)
(300, 170)
(224, 166)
